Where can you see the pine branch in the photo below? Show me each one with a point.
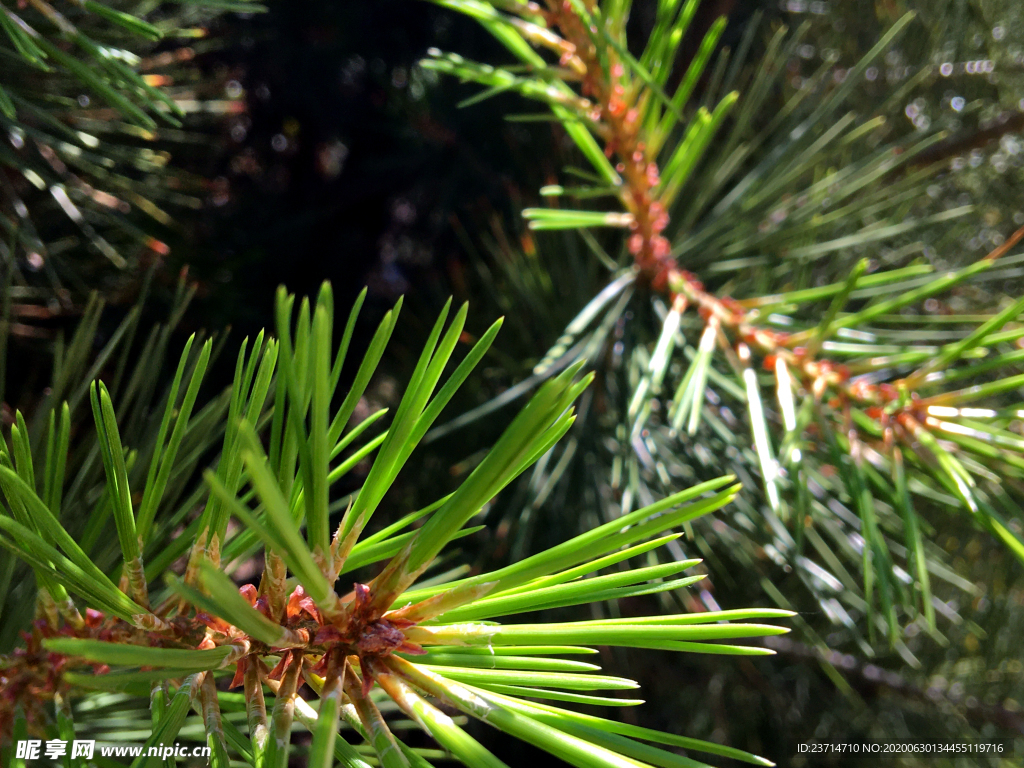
(367, 648)
(705, 195)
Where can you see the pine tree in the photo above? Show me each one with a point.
(779, 282)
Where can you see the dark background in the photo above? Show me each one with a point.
(350, 166)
